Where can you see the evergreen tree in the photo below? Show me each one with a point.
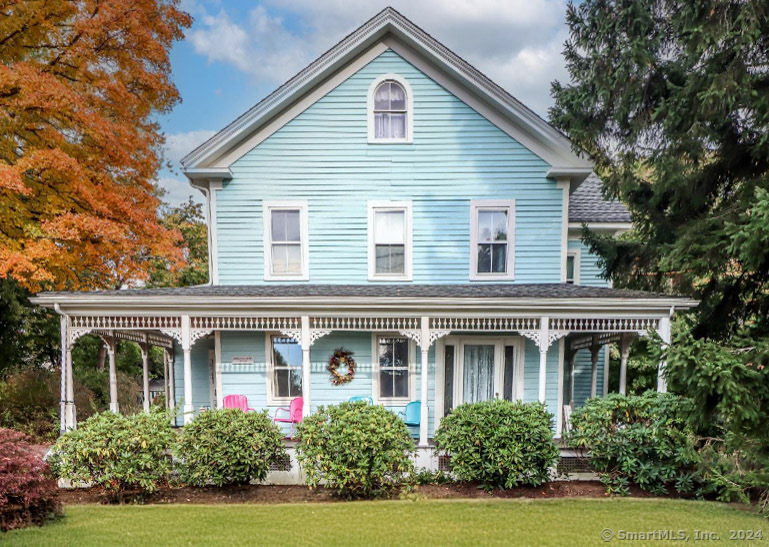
(671, 100)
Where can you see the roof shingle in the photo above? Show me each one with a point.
(587, 204)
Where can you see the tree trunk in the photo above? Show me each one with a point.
(100, 358)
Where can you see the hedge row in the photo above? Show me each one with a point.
(357, 449)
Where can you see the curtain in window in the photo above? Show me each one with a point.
(479, 373)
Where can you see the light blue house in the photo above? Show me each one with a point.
(393, 201)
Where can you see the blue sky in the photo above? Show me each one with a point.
(238, 51)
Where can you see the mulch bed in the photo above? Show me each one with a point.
(301, 494)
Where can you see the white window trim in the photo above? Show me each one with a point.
(392, 401)
(499, 344)
(408, 240)
(492, 204)
(267, 208)
(577, 254)
(409, 110)
(272, 399)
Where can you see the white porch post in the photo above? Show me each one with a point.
(189, 409)
(166, 391)
(145, 351)
(171, 386)
(424, 415)
(595, 349)
(624, 353)
(71, 410)
(111, 344)
(543, 345)
(63, 387)
(664, 332)
(306, 372)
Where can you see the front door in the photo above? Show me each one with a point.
(478, 374)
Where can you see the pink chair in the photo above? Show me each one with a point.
(294, 413)
(236, 401)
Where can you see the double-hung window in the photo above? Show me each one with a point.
(286, 253)
(492, 236)
(286, 368)
(390, 241)
(394, 374)
(390, 110)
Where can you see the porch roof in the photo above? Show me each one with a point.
(485, 296)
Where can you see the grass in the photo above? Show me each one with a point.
(422, 522)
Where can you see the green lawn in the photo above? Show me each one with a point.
(435, 522)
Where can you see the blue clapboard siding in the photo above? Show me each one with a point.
(251, 380)
(323, 156)
(583, 374)
(589, 270)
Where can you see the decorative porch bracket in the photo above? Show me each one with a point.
(544, 338)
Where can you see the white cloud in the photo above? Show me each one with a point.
(263, 47)
(178, 190)
(517, 43)
(179, 145)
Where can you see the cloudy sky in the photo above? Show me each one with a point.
(237, 51)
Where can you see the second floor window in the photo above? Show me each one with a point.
(286, 251)
(572, 267)
(491, 240)
(390, 240)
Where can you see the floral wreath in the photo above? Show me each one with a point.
(341, 358)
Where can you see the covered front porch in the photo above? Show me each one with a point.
(441, 345)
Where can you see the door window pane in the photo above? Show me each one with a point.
(507, 387)
(448, 379)
(478, 381)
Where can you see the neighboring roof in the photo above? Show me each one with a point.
(306, 290)
(563, 160)
(587, 204)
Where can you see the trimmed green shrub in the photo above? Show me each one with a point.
(359, 450)
(644, 439)
(228, 446)
(119, 453)
(28, 492)
(499, 443)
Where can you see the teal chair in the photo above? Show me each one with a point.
(359, 398)
(411, 416)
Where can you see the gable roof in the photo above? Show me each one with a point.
(587, 204)
(538, 135)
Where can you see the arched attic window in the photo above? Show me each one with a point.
(390, 110)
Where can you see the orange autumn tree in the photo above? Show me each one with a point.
(81, 83)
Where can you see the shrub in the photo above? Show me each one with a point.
(28, 492)
(119, 453)
(29, 402)
(228, 446)
(499, 443)
(643, 439)
(359, 450)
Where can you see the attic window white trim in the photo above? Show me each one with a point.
(409, 111)
(296, 205)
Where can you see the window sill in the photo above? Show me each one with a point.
(390, 278)
(303, 277)
(391, 141)
(394, 402)
(482, 277)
